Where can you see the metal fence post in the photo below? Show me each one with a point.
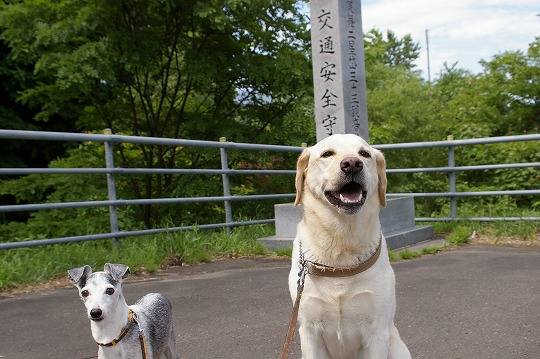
(111, 187)
(226, 185)
(452, 178)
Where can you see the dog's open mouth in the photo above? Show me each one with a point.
(350, 195)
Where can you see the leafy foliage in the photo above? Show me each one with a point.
(389, 50)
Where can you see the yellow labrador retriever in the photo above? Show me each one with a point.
(348, 303)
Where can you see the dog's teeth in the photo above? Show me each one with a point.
(345, 200)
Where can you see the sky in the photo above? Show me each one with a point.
(462, 31)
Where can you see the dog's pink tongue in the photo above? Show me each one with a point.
(351, 196)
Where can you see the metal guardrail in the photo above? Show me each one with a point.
(108, 140)
(110, 171)
(451, 144)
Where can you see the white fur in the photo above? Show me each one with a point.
(347, 317)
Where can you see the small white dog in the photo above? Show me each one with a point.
(143, 330)
(348, 304)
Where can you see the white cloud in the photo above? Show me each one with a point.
(463, 31)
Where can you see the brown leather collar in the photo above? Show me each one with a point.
(328, 271)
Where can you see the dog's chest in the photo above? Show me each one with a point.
(343, 314)
(336, 303)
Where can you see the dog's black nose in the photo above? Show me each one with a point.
(95, 313)
(351, 165)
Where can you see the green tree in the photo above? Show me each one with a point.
(180, 69)
(390, 50)
(504, 99)
(511, 83)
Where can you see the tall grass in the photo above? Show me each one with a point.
(28, 266)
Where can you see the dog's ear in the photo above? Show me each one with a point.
(78, 276)
(301, 167)
(381, 173)
(117, 271)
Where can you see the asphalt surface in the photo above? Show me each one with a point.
(475, 302)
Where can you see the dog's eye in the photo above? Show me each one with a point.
(85, 293)
(327, 154)
(365, 154)
(109, 291)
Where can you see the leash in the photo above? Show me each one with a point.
(142, 340)
(309, 267)
(294, 316)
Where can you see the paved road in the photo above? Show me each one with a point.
(475, 302)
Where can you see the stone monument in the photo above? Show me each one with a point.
(339, 73)
(339, 78)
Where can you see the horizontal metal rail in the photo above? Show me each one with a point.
(131, 202)
(464, 168)
(83, 137)
(475, 219)
(119, 170)
(233, 172)
(471, 194)
(455, 143)
(123, 234)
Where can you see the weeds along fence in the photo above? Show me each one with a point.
(113, 202)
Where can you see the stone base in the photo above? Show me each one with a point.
(397, 221)
(408, 237)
